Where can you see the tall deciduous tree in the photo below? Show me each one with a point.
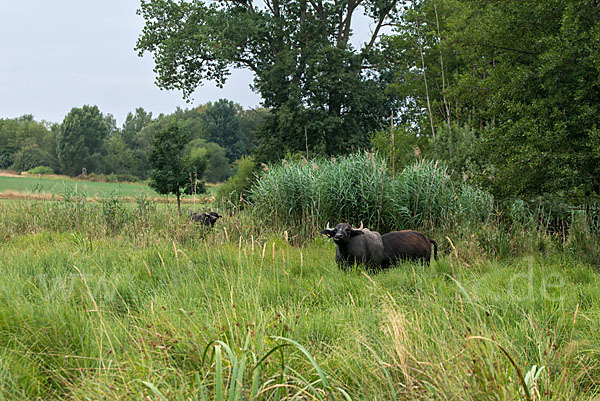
(80, 141)
(322, 90)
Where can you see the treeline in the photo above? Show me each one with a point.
(89, 142)
(506, 93)
(503, 92)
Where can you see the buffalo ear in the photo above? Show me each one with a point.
(329, 233)
(356, 232)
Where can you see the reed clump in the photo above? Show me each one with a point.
(360, 187)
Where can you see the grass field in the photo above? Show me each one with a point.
(99, 304)
(42, 187)
(40, 184)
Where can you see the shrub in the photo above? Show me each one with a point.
(93, 177)
(41, 170)
(114, 177)
(235, 189)
(31, 157)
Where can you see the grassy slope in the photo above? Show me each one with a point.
(84, 317)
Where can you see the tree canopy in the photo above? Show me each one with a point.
(522, 78)
(80, 141)
(222, 125)
(323, 92)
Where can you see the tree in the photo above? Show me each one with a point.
(223, 127)
(519, 79)
(31, 156)
(134, 123)
(323, 92)
(251, 121)
(111, 123)
(218, 168)
(80, 141)
(174, 167)
(24, 132)
(119, 158)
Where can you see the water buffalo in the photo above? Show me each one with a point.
(407, 245)
(356, 245)
(208, 219)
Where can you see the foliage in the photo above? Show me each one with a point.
(32, 156)
(251, 121)
(321, 90)
(143, 141)
(41, 170)
(175, 169)
(119, 157)
(304, 195)
(218, 168)
(80, 141)
(25, 133)
(133, 124)
(222, 124)
(235, 190)
(405, 148)
(522, 76)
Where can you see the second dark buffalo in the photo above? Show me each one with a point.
(407, 245)
(208, 219)
(355, 245)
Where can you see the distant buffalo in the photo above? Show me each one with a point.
(208, 219)
(356, 245)
(361, 245)
(407, 245)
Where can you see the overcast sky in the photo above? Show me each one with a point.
(56, 55)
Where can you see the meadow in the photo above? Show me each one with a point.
(130, 301)
(51, 187)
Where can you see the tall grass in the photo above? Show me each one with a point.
(360, 187)
(104, 316)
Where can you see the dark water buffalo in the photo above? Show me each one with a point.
(208, 219)
(407, 245)
(356, 245)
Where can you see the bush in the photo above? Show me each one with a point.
(360, 187)
(121, 178)
(93, 177)
(41, 170)
(31, 157)
(235, 189)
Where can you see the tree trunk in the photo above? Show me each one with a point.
(425, 78)
(446, 105)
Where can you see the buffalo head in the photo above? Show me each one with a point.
(342, 233)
